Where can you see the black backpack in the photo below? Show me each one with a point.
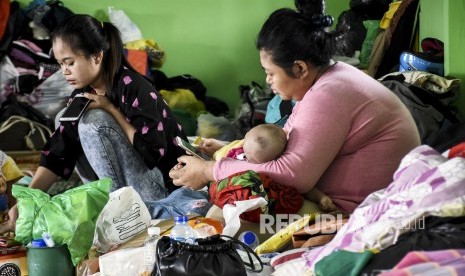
(253, 107)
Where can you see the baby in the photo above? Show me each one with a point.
(264, 143)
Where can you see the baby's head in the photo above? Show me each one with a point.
(264, 143)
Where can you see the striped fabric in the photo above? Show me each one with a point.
(443, 262)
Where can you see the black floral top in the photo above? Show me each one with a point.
(143, 107)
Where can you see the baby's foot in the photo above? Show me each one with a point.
(326, 204)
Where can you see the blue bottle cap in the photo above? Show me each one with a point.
(180, 219)
(3, 202)
(249, 238)
(38, 243)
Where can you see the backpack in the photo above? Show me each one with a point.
(253, 107)
(34, 135)
(12, 107)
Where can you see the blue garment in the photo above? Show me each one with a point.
(103, 139)
(273, 112)
(183, 201)
(110, 154)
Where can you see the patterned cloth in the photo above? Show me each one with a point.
(443, 262)
(144, 107)
(425, 184)
(248, 185)
(9, 171)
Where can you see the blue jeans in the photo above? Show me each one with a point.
(108, 153)
(182, 201)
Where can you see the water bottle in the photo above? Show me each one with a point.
(250, 239)
(182, 231)
(150, 247)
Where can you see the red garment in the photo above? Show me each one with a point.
(4, 14)
(235, 152)
(457, 151)
(138, 60)
(248, 185)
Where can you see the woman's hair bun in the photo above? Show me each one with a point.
(322, 20)
(314, 11)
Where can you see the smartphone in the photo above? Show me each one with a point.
(75, 109)
(189, 147)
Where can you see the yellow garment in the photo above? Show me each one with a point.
(151, 47)
(183, 99)
(389, 14)
(222, 152)
(11, 171)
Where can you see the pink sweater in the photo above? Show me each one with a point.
(347, 136)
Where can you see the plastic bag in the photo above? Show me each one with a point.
(372, 27)
(218, 127)
(7, 77)
(127, 261)
(124, 216)
(129, 31)
(253, 107)
(51, 95)
(183, 99)
(69, 217)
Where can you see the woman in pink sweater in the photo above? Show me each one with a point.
(347, 133)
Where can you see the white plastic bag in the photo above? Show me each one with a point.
(51, 95)
(129, 30)
(7, 77)
(128, 262)
(123, 217)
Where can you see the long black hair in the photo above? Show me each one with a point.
(289, 35)
(90, 36)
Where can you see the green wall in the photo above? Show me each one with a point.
(212, 40)
(444, 20)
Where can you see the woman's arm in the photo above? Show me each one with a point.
(317, 130)
(43, 179)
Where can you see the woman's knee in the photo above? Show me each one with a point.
(93, 120)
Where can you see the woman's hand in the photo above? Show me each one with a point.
(210, 146)
(10, 224)
(192, 172)
(99, 101)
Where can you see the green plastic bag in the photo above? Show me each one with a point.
(69, 217)
(372, 27)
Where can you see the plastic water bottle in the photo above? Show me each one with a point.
(48, 239)
(250, 239)
(182, 231)
(150, 247)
